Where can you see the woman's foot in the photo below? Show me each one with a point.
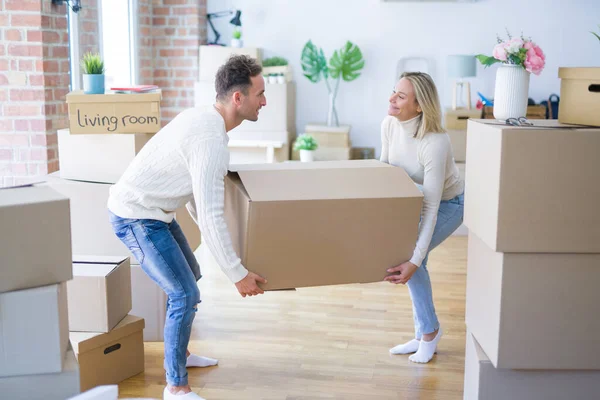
(426, 348)
(199, 361)
(180, 393)
(406, 348)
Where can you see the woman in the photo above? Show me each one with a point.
(412, 138)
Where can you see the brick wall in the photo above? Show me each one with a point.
(89, 28)
(34, 78)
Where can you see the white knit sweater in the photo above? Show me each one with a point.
(183, 164)
(430, 163)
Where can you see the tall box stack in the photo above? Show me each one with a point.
(533, 260)
(266, 140)
(333, 142)
(35, 265)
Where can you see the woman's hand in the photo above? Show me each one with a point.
(404, 272)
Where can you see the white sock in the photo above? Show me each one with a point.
(406, 348)
(167, 395)
(199, 361)
(426, 349)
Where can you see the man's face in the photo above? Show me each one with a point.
(250, 104)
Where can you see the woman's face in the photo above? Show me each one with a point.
(403, 103)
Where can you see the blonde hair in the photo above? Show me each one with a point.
(427, 97)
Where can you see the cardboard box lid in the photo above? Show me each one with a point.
(589, 73)
(103, 265)
(538, 125)
(83, 342)
(29, 195)
(86, 259)
(463, 112)
(349, 181)
(80, 97)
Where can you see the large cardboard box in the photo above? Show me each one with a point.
(484, 382)
(458, 139)
(524, 307)
(457, 119)
(97, 158)
(114, 112)
(35, 239)
(212, 57)
(99, 294)
(579, 96)
(533, 189)
(55, 386)
(92, 232)
(34, 330)
(109, 358)
(312, 224)
(149, 301)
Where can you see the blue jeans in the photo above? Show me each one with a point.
(450, 216)
(165, 255)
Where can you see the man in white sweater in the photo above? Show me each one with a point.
(186, 163)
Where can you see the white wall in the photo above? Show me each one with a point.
(388, 31)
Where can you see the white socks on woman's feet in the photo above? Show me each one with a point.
(406, 348)
(199, 361)
(167, 395)
(426, 349)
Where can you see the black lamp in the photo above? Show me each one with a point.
(75, 4)
(234, 21)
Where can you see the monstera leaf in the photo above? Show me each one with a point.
(348, 61)
(313, 62)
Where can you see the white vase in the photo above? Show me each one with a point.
(307, 155)
(280, 79)
(511, 92)
(237, 43)
(272, 79)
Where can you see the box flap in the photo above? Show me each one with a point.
(83, 342)
(93, 270)
(327, 184)
(85, 259)
(590, 73)
(538, 124)
(29, 195)
(80, 97)
(293, 165)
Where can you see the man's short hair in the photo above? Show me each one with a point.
(235, 75)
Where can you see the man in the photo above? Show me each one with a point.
(185, 163)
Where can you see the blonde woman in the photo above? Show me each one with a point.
(412, 138)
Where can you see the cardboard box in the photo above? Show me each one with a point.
(92, 232)
(457, 119)
(97, 158)
(524, 307)
(34, 330)
(149, 302)
(461, 169)
(531, 190)
(322, 223)
(212, 57)
(484, 382)
(533, 112)
(579, 96)
(329, 136)
(110, 358)
(55, 386)
(35, 239)
(279, 115)
(99, 294)
(458, 139)
(114, 112)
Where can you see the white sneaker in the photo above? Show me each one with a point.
(167, 395)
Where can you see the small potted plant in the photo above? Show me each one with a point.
(236, 40)
(277, 66)
(306, 145)
(93, 73)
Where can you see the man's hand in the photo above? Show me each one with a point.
(406, 271)
(248, 286)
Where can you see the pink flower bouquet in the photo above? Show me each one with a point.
(516, 51)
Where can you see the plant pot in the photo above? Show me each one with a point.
(237, 43)
(93, 84)
(511, 92)
(272, 79)
(307, 155)
(281, 79)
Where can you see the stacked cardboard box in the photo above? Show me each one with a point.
(265, 140)
(533, 257)
(333, 142)
(35, 264)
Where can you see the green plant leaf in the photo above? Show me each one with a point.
(305, 142)
(487, 60)
(595, 34)
(92, 64)
(313, 62)
(347, 62)
(275, 62)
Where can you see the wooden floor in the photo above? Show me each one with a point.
(320, 343)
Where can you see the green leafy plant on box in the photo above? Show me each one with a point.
(346, 63)
(92, 64)
(305, 142)
(237, 34)
(596, 34)
(275, 62)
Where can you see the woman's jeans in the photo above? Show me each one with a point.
(165, 255)
(450, 217)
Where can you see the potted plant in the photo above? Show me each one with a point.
(519, 57)
(280, 78)
(345, 64)
(278, 66)
(236, 40)
(93, 73)
(306, 145)
(272, 78)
